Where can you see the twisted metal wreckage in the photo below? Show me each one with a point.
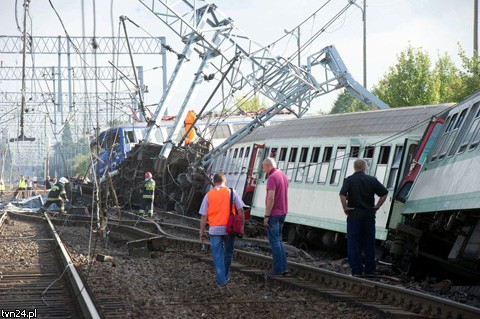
(181, 171)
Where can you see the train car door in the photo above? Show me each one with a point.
(254, 168)
(410, 150)
(415, 162)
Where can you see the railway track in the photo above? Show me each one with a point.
(387, 300)
(37, 276)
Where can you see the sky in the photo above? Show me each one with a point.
(437, 26)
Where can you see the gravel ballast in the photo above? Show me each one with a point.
(175, 285)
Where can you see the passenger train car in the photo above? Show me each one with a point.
(442, 205)
(318, 152)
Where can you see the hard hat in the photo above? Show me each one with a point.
(148, 175)
(63, 180)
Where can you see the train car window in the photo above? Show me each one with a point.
(313, 164)
(292, 158)
(397, 158)
(369, 152)
(221, 161)
(463, 129)
(301, 164)
(337, 166)
(234, 163)
(454, 128)
(471, 127)
(264, 156)
(384, 155)
(129, 137)
(257, 166)
(382, 163)
(273, 152)
(441, 139)
(110, 141)
(460, 119)
(227, 161)
(239, 164)
(282, 157)
(475, 140)
(354, 152)
(327, 156)
(247, 152)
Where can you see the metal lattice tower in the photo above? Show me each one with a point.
(56, 94)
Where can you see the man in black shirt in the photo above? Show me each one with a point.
(358, 201)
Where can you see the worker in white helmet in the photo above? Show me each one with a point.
(146, 206)
(57, 195)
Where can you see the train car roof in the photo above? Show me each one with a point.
(358, 124)
(237, 119)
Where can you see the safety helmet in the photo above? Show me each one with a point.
(148, 175)
(63, 180)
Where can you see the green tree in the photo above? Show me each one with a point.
(253, 104)
(346, 102)
(470, 73)
(448, 83)
(65, 159)
(79, 164)
(409, 82)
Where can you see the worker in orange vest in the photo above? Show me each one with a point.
(215, 210)
(189, 120)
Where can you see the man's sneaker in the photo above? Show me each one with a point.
(287, 273)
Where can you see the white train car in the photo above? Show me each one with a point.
(442, 207)
(317, 153)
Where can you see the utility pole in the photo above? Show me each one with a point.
(364, 16)
(475, 28)
(298, 41)
(24, 56)
(364, 19)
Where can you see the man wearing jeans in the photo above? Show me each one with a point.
(216, 209)
(358, 201)
(276, 208)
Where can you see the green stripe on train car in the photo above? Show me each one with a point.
(443, 203)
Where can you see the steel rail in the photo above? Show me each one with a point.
(396, 300)
(81, 294)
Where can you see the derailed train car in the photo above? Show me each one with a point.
(440, 201)
(317, 153)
